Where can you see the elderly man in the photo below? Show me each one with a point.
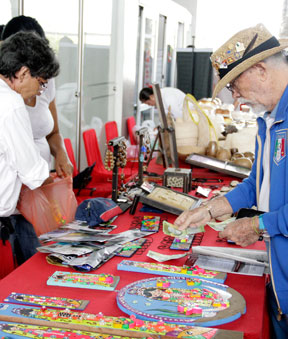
(252, 66)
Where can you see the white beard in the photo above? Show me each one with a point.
(255, 107)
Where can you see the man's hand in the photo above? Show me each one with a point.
(201, 215)
(241, 231)
(197, 217)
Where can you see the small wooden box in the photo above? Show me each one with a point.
(178, 177)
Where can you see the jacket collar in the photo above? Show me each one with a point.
(282, 106)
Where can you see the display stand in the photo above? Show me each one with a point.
(162, 150)
(141, 133)
(116, 145)
(163, 129)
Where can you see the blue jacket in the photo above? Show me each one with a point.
(246, 194)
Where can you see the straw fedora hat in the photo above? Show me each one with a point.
(242, 51)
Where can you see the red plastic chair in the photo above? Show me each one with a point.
(70, 152)
(93, 154)
(130, 124)
(102, 190)
(7, 260)
(111, 130)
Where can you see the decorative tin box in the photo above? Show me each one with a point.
(178, 177)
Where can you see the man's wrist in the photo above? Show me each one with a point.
(256, 227)
(208, 208)
(261, 223)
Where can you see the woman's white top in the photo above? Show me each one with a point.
(42, 120)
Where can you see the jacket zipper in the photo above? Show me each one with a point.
(257, 195)
(279, 315)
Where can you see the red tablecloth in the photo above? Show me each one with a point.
(32, 276)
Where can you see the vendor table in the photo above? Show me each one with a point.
(31, 277)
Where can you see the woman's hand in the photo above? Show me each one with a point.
(63, 165)
(48, 181)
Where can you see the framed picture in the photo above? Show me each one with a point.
(169, 200)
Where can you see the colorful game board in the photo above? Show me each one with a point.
(37, 300)
(150, 224)
(131, 247)
(15, 331)
(182, 301)
(182, 244)
(84, 280)
(171, 270)
(111, 324)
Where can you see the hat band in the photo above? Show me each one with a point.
(268, 44)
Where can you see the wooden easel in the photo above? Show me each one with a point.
(162, 150)
(164, 128)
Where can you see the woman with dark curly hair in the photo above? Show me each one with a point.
(26, 64)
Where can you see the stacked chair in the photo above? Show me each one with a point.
(95, 188)
(93, 154)
(130, 125)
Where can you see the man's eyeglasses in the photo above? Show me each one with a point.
(231, 86)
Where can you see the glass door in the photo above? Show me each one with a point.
(86, 86)
(161, 52)
(98, 76)
(9, 9)
(146, 63)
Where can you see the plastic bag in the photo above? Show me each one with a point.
(206, 128)
(194, 130)
(50, 206)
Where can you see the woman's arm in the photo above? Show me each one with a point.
(63, 165)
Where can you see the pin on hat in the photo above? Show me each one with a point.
(242, 51)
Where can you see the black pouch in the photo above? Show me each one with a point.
(6, 228)
(82, 179)
(247, 212)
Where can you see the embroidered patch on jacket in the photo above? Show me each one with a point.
(280, 146)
